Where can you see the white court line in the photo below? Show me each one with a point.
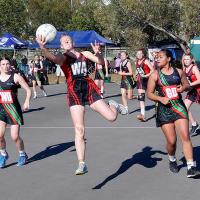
(87, 127)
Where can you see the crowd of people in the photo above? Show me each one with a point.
(159, 80)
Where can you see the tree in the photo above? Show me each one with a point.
(55, 12)
(13, 17)
(130, 21)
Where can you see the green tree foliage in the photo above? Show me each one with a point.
(56, 12)
(13, 17)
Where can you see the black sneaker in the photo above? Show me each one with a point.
(193, 172)
(173, 167)
(194, 129)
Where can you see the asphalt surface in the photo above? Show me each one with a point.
(126, 159)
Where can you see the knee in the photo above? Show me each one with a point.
(171, 143)
(79, 131)
(141, 97)
(15, 138)
(112, 118)
(2, 138)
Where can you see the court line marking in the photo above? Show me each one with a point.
(87, 127)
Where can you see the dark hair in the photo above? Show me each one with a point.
(168, 53)
(126, 54)
(144, 51)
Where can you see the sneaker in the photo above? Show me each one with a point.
(113, 103)
(120, 108)
(35, 96)
(82, 169)
(194, 129)
(22, 159)
(44, 93)
(3, 160)
(123, 109)
(193, 172)
(141, 118)
(173, 167)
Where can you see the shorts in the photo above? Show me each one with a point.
(83, 92)
(166, 114)
(35, 77)
(99, 74)
(142, 83)
(127, 83)
(193, 96)
(11, 114)
(59, 71)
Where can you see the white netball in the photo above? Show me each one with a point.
(48, 31)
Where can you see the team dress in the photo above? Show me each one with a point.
(81, 88)
(194, 94)
(99, 72)
(142, 70)
(10, 109)
(166, 86)
(126, 80)
(35, 73)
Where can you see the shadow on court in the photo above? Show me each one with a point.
(116, 95)
(196, 153)
(143, 158)
(147, 108)
(51, 151)
(52, 95)
(34, 109)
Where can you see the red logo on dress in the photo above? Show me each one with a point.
(6, 96)
(171, 92)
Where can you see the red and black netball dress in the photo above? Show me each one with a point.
(142, 70)
(81, 88)
(194, 94)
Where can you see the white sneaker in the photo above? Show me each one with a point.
(82, 169)
(44, 93)
(120, 108)
(123, 110)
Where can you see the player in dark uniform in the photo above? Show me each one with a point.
(171, 111)
(81, 90)
(127, 85)
(36, 66)
(143, 71)
(193, 76)
(101, 71)
(10, 110)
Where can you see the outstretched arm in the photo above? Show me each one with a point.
(96, 57)
(58, 59)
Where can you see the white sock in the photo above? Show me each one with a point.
(21, 153)
(82, 162)
(143, 111)
(190, 164)
(172, 158)
(102, 90)
(3, 152)
(35, 94)
(194, 123)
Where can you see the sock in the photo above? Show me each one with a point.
(190, 164)
(102, 90)
(22, 153)
(35, 94)
(81, 163)
(194, 123)
(143, 111)
(3, 152)
(172, 158)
